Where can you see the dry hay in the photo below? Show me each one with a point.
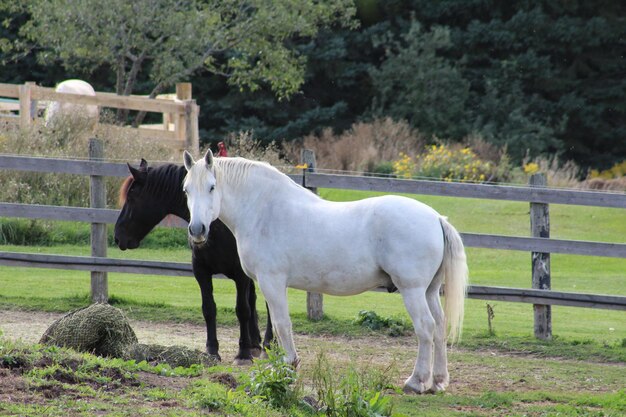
(104, 330)
(172, 355)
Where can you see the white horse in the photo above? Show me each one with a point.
(289, 237)
(55, 108)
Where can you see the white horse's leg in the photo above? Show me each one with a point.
(440, 362)
(276, 296)
(424, 324)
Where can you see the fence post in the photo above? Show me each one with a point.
(192, 135)
(314, 301)
(26, 116)
(540, 227)
(183, 93)
(97, 199)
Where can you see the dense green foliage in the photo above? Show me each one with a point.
(174, 39)
(537, 76)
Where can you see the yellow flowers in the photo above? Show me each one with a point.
(616, 171)
(302, 166)
(444, 162)
(404, 166)
(531, 168)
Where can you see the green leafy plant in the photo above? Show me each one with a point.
(273, 380)
(357, 394)
(371, 320)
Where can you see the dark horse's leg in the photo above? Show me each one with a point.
(209, 309)
(254, 324)
(245, 316)
(269, 331)
(255, 335)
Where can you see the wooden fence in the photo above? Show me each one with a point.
(180, 112)
(534, 195)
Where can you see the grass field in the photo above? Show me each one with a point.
(598, 275)
(504, 373)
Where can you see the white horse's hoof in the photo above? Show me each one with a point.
(293, 362)
(440, 383)
(437, 388)
(412, 386)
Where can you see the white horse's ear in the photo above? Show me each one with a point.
(208, 158)
(188, 160)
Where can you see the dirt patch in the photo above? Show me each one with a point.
(225, 379)
(160, 381)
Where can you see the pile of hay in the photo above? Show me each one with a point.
(99, 328)
(172, 355)
(104, 330)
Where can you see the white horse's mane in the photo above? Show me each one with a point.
(236, 171)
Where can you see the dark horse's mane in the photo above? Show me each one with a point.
(121, 200)
(164, 180)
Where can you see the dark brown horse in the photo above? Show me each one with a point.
(148, 195)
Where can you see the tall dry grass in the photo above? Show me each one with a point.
(68, 138)
(361, 148)
(558, 174)
(245, 145)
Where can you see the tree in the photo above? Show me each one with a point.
(245, 41)
(417, 85)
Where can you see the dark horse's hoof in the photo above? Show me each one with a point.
(242, 362)
(215, 357)
(243, 358)
(256, 352)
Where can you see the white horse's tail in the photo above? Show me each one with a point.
(455, 277)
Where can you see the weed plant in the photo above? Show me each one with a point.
(352, 393)
(392, 326)
(273, 380)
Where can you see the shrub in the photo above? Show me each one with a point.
(383, 169)
(373, 321)
(616, 171)
(23, 232)
(447, 163)
(612, 179)
(452, 163)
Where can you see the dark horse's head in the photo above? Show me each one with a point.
(143, 207)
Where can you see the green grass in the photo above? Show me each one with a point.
(178, 298)
(60, 382)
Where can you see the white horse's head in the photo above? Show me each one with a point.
(203, 198)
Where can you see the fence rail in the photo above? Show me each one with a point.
(183, 269)
(467, 190)
(477, 240)
(180, 111)
(312, 180)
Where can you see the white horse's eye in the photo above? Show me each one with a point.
(211, 188)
